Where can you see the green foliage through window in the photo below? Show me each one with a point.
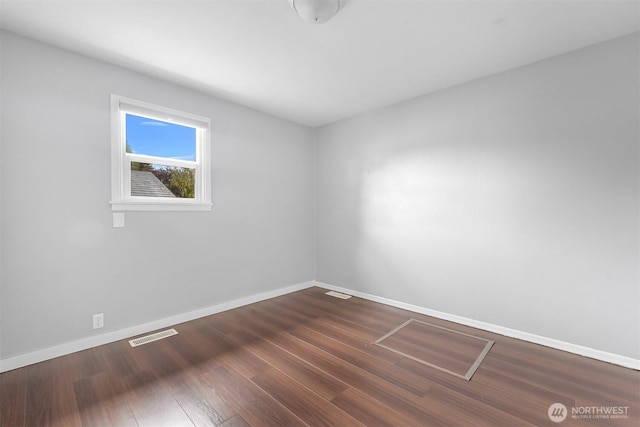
(180, 181)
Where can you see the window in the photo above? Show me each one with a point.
(160, 158)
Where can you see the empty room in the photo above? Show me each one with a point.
(319, 213)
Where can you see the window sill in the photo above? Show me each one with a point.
(155, 206)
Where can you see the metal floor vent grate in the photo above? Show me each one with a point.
(338, 295)
(153, 337)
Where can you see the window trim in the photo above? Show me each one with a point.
(121, 199)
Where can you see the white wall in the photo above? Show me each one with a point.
(511, 200)
(61, 259)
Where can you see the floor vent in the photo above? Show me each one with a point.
(153, 337)
(338, 295)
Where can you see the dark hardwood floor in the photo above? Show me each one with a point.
(308, 359)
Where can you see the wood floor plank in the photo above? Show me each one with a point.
(300, 400)
(13, 398)
(39, 395)
(202, 404)
(548, 380)
(254, 405)
(290, 303)
(116, 358)
(235, 421)
(387, 372)
(54, 378)
(369, 411)
(561, 371)
(360, 338)
(378, 317)
(102, 401)
(505, 396)
(463, 410)
(389, 393)
(151, 404)
(298, 369)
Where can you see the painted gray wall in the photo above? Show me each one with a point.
(61, 259)
(513, 199)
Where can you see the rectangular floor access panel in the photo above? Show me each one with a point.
(444, 349)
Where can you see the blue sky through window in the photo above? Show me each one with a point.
(157, 138)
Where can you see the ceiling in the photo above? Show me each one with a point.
(373, 53)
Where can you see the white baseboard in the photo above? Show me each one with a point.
(86, 343)
(604, 356)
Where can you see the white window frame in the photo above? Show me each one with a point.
(121, 198)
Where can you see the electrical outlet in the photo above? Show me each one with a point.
(98, 321)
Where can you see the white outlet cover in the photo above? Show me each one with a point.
(98, 321)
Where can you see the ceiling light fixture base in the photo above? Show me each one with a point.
(316, 11)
